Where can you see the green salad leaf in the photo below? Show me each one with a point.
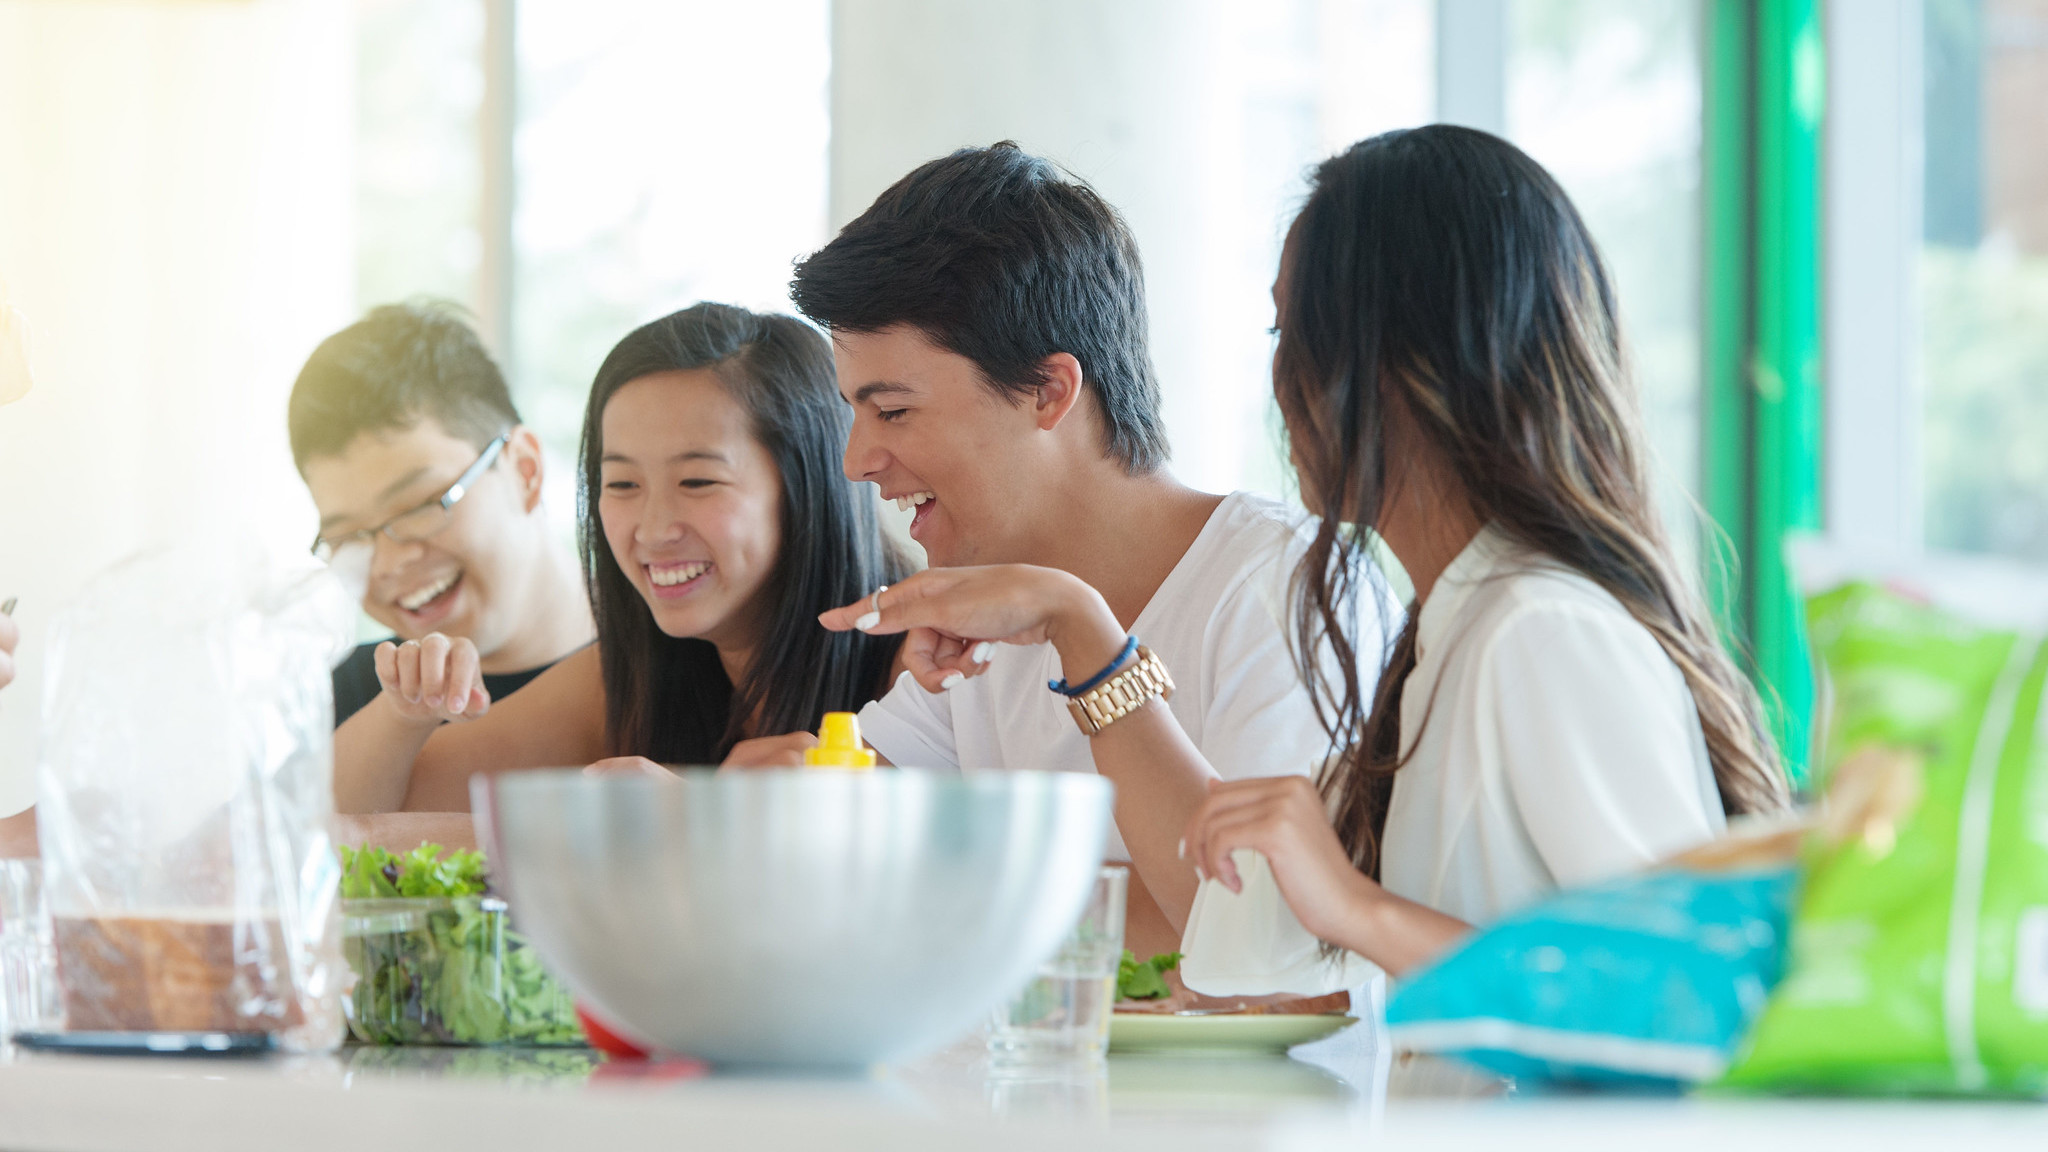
(1145, 980)
(369, 873)
(452, 974)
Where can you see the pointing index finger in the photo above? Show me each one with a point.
(885, 611)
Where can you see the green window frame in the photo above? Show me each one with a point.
(1761, 417)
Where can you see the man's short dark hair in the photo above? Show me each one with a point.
(998, 256)
(399, 363)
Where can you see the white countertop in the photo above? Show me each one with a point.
(371, 1099)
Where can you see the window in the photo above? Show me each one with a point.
(667, 153)
(662, 154)
(1983, 276)
(1606, 95)
(1294, 83)
(419, 89)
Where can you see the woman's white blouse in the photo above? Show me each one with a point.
(1551, 743)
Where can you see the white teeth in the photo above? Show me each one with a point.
(424, 596)
(906, 503)
(669, 577)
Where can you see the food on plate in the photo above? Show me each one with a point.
(435, 958)
(1145, 980)
(1143, 989)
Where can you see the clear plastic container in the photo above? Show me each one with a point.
(449, 970)
(28, 956)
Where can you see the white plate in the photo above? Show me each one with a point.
(1231, 1032)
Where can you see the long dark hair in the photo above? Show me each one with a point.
(669, 699)
(1442, 265)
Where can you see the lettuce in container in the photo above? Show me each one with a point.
(436, 960)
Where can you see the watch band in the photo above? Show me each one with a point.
(1122, 694)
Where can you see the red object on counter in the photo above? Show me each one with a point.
(607, 1041)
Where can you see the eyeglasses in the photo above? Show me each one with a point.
(421, 522)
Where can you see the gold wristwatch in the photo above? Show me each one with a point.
(1121, 694)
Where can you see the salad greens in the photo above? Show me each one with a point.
(448, 970)
(1145, 980)
(374, 874)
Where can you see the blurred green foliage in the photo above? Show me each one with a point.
(1986, 433)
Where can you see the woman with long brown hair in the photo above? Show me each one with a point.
(1559, 708)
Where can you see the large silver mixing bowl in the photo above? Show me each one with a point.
(796, 917)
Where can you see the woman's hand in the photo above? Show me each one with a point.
(786, 751)
(1282, 817)
(432, 679)
(629, 766)
(954, 616)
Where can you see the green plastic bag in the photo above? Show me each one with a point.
(1919, 952)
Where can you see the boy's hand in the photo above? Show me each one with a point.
(432, 679)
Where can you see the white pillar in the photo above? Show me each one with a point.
(1871, 252)
(497, 126)
(1471, 64)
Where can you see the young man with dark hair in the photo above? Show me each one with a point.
(988, 319)
(429, 488)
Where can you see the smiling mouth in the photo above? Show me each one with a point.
(676, 579)
(418, 600)
(924, 502)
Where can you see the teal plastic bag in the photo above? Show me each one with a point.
(1650, 980)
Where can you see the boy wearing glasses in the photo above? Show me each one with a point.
(429, 494)
(428, 488)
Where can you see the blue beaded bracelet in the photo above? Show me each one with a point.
(1063, 688)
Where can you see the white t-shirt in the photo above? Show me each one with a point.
(1552, 744)
(1218, 622)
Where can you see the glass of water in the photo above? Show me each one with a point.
(29, 1000)
(1062, 1015)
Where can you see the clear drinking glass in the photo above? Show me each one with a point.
(29, 999)
(1062, 1015)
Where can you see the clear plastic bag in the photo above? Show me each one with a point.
(185, 792)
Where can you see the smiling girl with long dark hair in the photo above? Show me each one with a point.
(715, 526)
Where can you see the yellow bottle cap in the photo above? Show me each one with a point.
(839, 744)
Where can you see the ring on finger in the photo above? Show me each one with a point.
(873, 615)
